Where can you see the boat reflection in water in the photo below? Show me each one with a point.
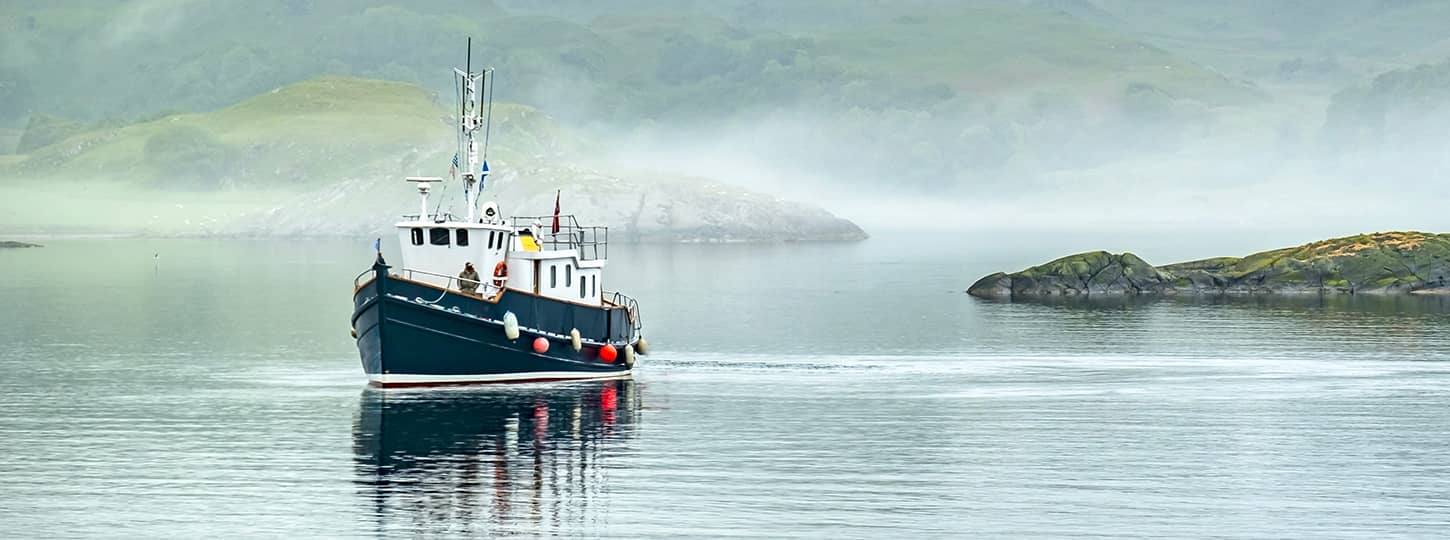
(518, 460)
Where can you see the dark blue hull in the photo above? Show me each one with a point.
(413, 334)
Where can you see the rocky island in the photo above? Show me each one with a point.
(1379, 263)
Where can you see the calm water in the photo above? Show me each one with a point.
(186, 388)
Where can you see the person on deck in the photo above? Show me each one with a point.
(468, 279)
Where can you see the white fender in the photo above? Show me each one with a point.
(629, 356)
(642, 346)
(510, 325)
(574, 340)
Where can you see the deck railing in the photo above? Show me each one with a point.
(435, 218)
(592, 242)
(358, 281)
(486, 288)
(618, 299)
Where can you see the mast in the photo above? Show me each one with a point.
(471, 86)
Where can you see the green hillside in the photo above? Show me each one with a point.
(947, 93)
(290, 135)
(650, 58)
(952, 99)
(300, 135)
(326, 157)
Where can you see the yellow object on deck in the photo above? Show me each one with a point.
(527, 240)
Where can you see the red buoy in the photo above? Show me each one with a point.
(608, 353)
(541, 345)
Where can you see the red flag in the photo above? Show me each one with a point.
(555, 229)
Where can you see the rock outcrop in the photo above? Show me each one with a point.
(1093, 273)
(1380, 263)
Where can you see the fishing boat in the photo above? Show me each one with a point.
(539, 311)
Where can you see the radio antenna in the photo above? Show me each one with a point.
(467, 65)
(488, 123)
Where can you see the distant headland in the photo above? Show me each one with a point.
(327, 157)
(13, 244)
(1379, 263)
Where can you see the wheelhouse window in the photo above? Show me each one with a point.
(594, 286)
(438, 237)
(461, 237)
(553, 276)
(568, 275)
(417, 236)
(491, 240)
(582, 288)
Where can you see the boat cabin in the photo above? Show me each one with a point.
(548, 256)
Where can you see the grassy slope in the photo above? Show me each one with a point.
(950, 93)
(985, 45)
(1364, 261)
(330, 118)
(350, 141)
(308, 133)
(295, 138)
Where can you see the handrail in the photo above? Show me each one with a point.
(591, 242)
(357, 281)
(484, 286)
(435, 218)
(636, 324)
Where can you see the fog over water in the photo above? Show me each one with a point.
(1224, 182)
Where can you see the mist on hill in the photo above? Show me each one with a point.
(1111, 115)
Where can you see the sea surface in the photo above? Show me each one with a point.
(208, 388)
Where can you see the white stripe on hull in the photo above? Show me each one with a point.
(403, 378)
